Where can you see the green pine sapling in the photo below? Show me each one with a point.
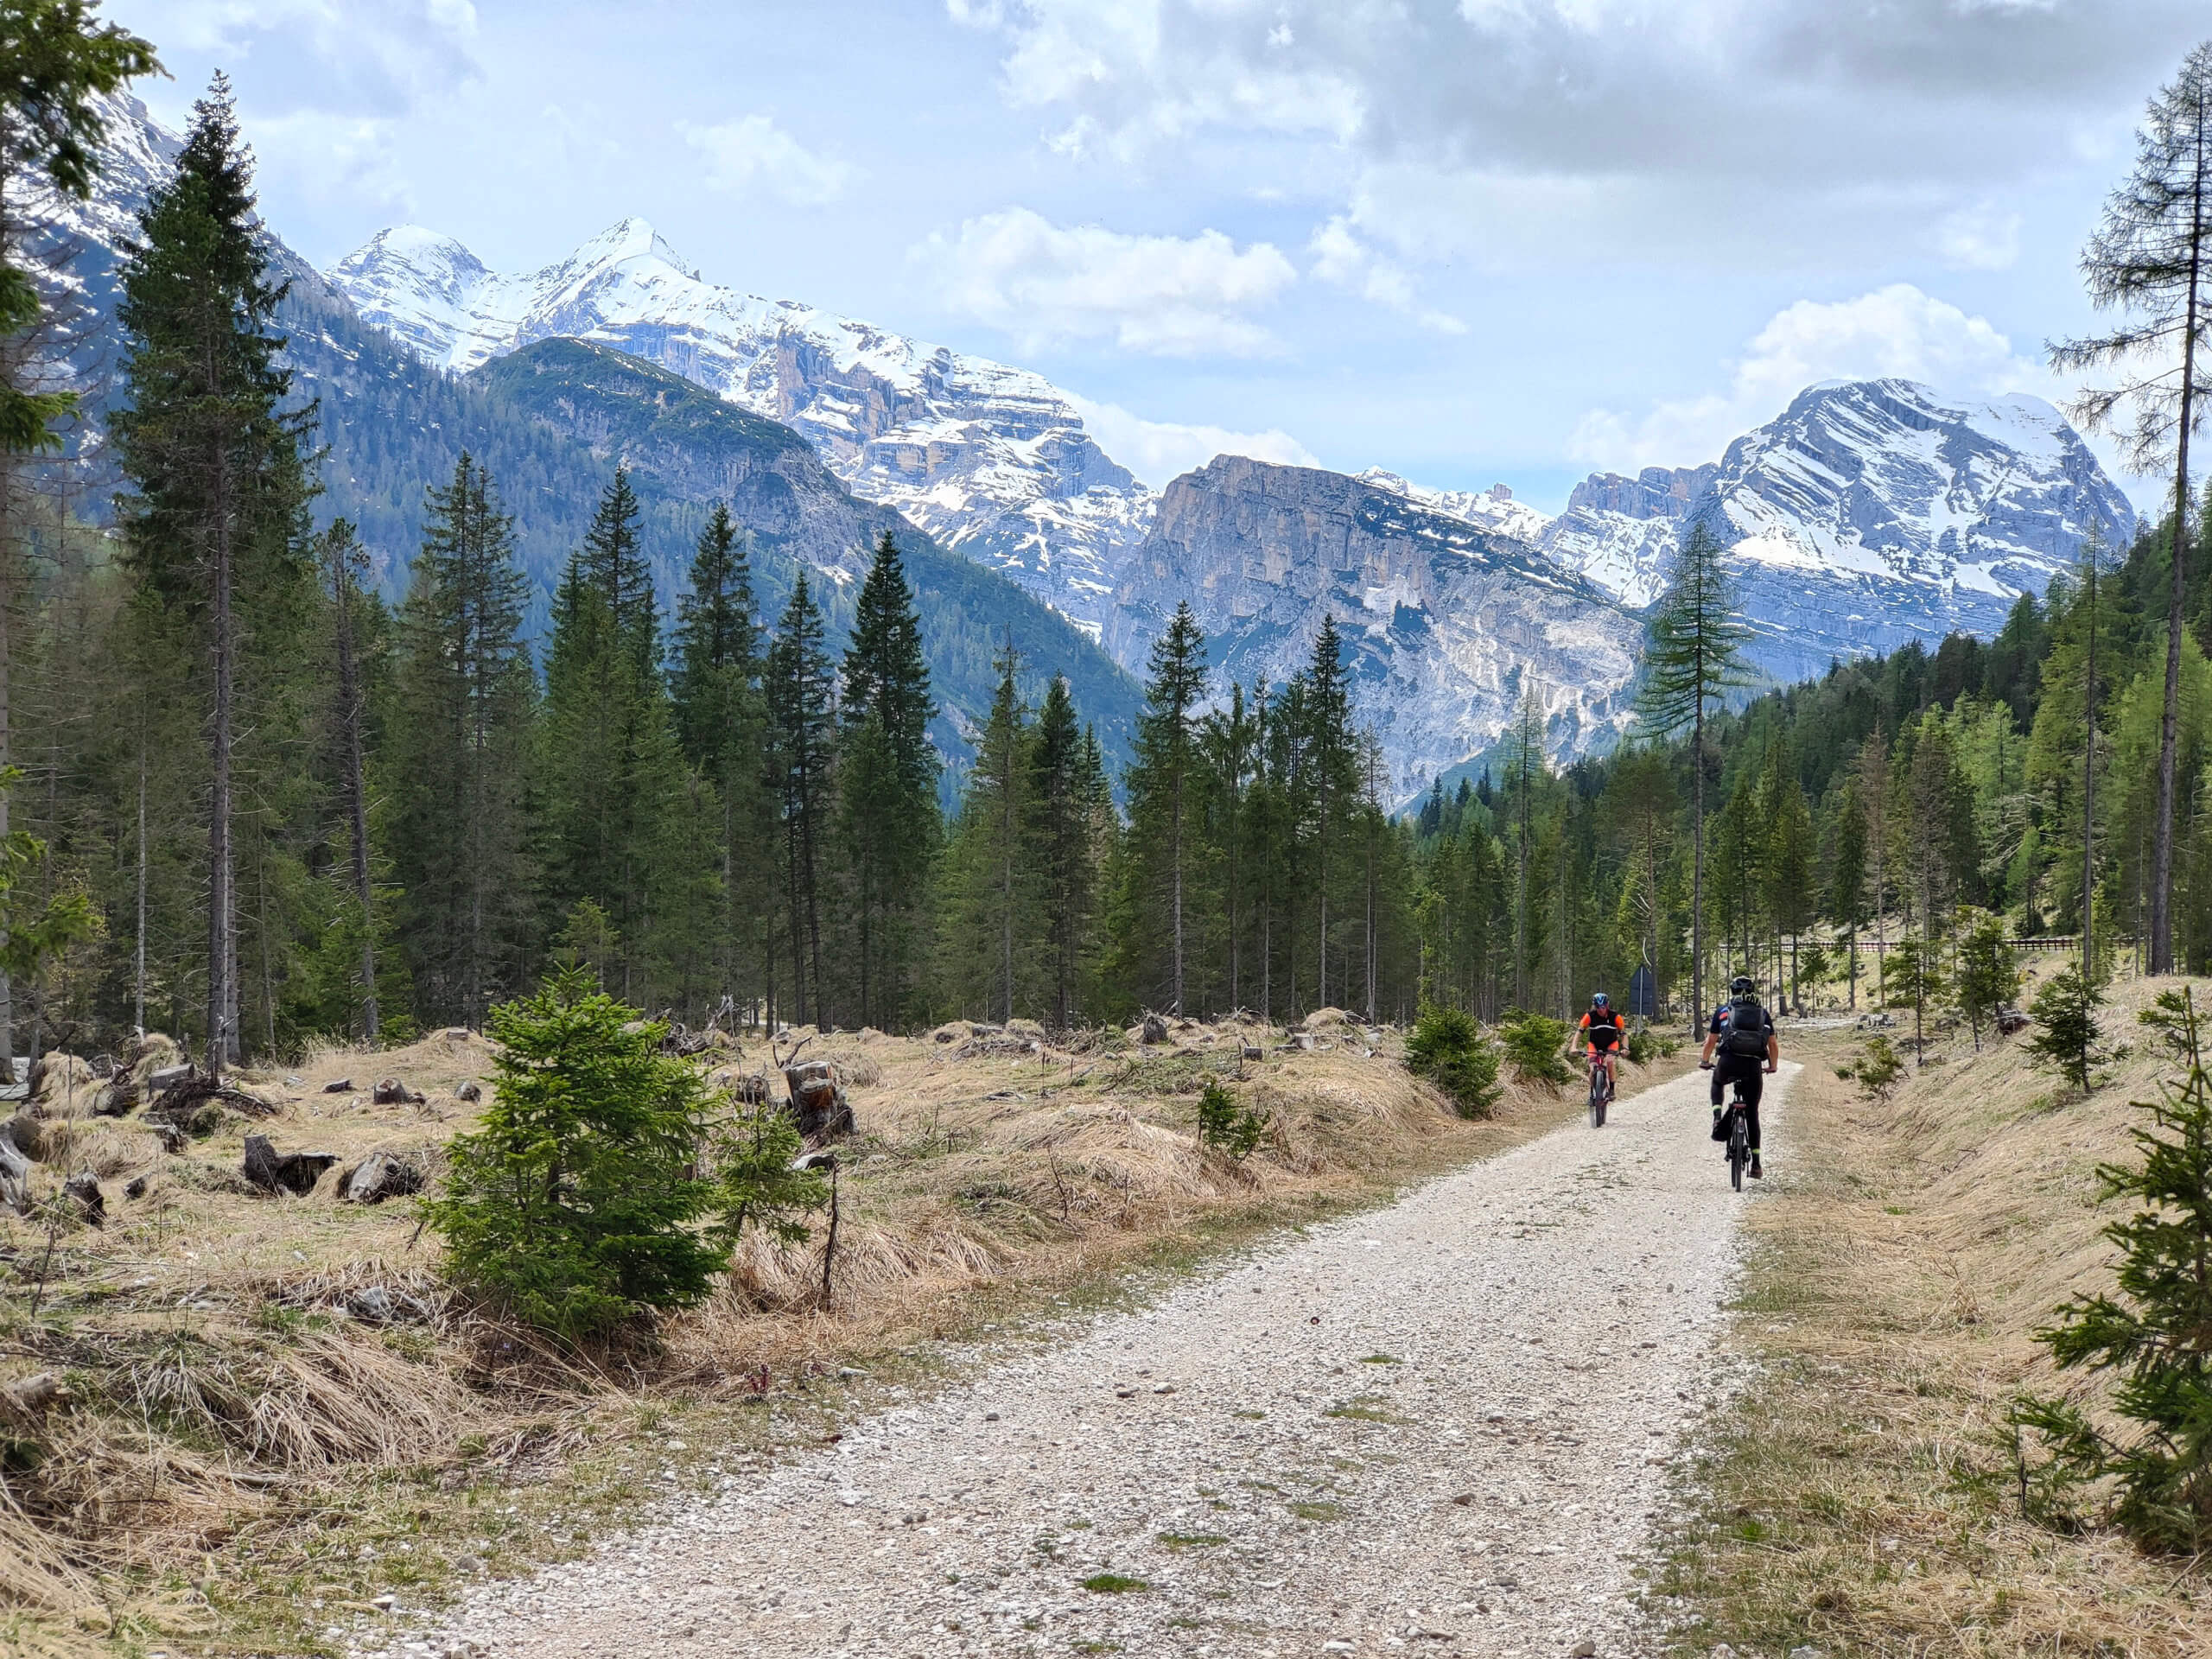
(2156, 1331)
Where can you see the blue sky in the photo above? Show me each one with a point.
(1509, 240)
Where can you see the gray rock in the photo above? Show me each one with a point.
(379, 1176)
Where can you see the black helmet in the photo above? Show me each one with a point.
(1741, 986)
(1598, 999)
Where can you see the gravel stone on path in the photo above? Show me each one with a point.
(1441, 1427)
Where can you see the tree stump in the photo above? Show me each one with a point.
(272, 1171)
(817, 1104)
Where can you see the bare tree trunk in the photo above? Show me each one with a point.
(2089, 782)
(357, 794)
(220, 912)
(1697, 867)
(2162, 944)
(138, 964)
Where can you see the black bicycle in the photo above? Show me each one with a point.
(1739, 1132)
(1605, 1039)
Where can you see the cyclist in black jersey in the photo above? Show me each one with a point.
(1740, 1037)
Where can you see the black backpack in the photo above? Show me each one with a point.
(1745, 1037)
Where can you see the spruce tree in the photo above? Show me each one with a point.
(994, 885)
(1845, 903)
(721, 718)
(887, 812)
(348, 562)
(212, 521)
(1792, 890)
(1332, 779)
(800, 692)
(2151, 258)
(1693, 658)
(1163, 785)
(618, 816)
(464, 700)
(1064, 788)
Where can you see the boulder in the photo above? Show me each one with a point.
(374, 1304)
(283, 1171)
(342, 1086)
(391, 1091)
(817, 1104)
(1155, 1029)
(83, 1189)
(379, 1176)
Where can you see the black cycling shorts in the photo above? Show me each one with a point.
(1726, 1070)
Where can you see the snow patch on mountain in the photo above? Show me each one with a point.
(990, 460)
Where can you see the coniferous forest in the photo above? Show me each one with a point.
(254, 804)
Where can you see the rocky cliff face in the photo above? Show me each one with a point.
(991, 460)
(1446, 627)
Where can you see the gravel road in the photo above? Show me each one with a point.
(1440, 1428)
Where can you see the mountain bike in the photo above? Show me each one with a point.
(1739, 1138)
(1739, 1131)
(1603, 1084)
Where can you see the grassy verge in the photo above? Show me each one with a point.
(1857, 1496)
(242, 1463)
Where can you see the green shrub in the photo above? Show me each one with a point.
(1449, 1049)
(751, 1154)
(2068, 1038)
(1876, 1070)
(575, 1204)
(2156, 1331)
(1225, 1126)
(1534, 1046)
(1642, 1046)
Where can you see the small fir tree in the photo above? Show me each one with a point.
(2155, 1330)
(1915, 980)
(1448, 1048)
(576, 1204)
(1987, 980)
(2068, 1039)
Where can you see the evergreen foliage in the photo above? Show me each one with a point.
(2156, 1331)
(1226, 1127)
(576, 1203)
(1447, 1047)
(2068, 1037)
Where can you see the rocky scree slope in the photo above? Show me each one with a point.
(991, 460)
(1446, 627)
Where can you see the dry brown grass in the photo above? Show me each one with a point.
(1860, 1499)
(241, 1447)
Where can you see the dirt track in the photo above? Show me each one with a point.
(1439, 1427)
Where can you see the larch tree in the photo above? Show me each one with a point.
(1692, 659)
(211, 453)
(2150, 259)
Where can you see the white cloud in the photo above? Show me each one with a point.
(1981, 237)
(752, 154)
(1894, 332)
(1342, 260)
(1802, 119)
(1168, 295)
(329, 57)
(1157, 451)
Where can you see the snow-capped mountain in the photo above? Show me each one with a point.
(1869, 513)
(991, 460)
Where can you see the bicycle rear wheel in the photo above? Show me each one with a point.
(1738, 1150)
